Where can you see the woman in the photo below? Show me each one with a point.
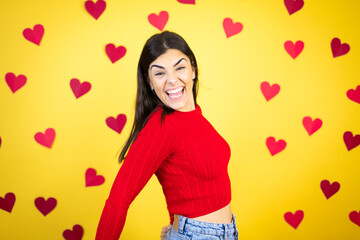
(171, 138)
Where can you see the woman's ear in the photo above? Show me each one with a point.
(193, 73)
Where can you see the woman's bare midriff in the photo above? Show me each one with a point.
(223, 215)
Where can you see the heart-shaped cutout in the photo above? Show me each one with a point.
(91, 179)
(45, 206)
(35, 35)
(115, 53)
(187, 1)
(354, 94)
(350, 140)
(293, 6)
(95, 9)
(78, 88)
(294, 220)
(275, 146)
(269, 91)
(329, 189)
(46, 139)
(310, 125)
(76, 233)
(159, 21)
(355, 217)
(116, 124)
(231, 28)
(15, 83)
(294, 49)
(338, 49)
(7, 203)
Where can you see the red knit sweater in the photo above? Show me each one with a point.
(190, 160)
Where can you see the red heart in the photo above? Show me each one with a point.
(78, 88)
(275, 147)
(269, 91)
(350, 140)
(95, 9)
(75, 234)
(355, 217)
(116, 124)
(311, 126)
(354, 95)
(91, 179)
(15, 83)
(45, 206)
(339, 49)
(46, 139)
(115, 53)
(293, 6)
(159, 21)
(329, 189)
(35, 35)
(0, 141)
(294, 49)
(231, 28)
(187, 1)
(8, 202)
(294, 219)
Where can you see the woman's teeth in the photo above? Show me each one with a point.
(176, 93)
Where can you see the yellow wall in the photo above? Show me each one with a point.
(264, 187)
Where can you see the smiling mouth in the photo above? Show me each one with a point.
(175, 94)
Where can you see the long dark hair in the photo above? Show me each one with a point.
(146, 101)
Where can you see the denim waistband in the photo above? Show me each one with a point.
(191, 225)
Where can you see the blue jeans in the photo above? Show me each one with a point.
(190, 229)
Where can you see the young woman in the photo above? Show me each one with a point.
(171, 138)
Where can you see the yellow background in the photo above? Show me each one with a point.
(264, 187)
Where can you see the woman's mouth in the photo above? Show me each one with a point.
(175, 94)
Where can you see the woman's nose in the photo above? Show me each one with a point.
(172, 77)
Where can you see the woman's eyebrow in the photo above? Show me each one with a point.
(174, 64)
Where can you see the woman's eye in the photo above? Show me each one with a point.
(159, 74)
(179, 68)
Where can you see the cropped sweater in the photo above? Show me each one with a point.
(190, 160)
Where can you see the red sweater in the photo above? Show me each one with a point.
(190, 160)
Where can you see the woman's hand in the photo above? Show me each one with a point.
(164, 231)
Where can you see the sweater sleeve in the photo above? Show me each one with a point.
(154, 143)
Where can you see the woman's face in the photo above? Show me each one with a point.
(171, 76)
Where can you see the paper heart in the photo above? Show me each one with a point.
(159, 21)
(294, 219)
(231, 28)
(116, 124)
(310, 125)
(269, 91)
(350, 140)
(75, 234)
(0, 141)
(91, 179)
(15, 83)
(294, 49)
(329, 189)
(45, 206)
(355, 217)
(275, 146)
(7, 203)
(339, 49)
(35, 35)
(115, 53)
(46, 139)
(293, 6)
(187, 1)
(95, 9)
(78, 88)
(354, 94)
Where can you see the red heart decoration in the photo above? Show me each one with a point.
(231, 28)
(35, 35)
(350, 140)
(159, 21)
(91, 179)
(339, 49)
(293, 6)
(294, 49)
(275, 147)
(329, 189)
(269, 91)
(115, 53)
(95, 9)
(355, 217)
(46, 139)
(45, 206)
(354, 95)
(310, 125)
(78, 88)
(187, 1)
(15, 83)
(116, 124)
(0, 141)
(75, 234)
(294, 219)
(8, 202)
